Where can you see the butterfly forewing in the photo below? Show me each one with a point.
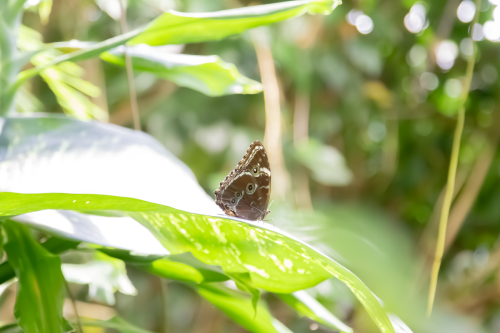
(246, 190)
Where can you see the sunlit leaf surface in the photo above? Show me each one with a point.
(207, 74)
(59, 154)
(41, 284)
(178, 28)
(274, 261)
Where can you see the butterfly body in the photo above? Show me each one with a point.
(246, 190)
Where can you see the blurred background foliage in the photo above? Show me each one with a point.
(368, 97)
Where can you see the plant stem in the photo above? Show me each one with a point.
(79, 327)
(130, 72)
(445, 211)
(163, 297)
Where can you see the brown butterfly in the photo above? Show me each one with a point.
(246, 190)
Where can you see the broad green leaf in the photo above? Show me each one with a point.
(127, 153)
(207, 74)
(244, 283)
(173, 270)
(274, 261)
(41, 284)
(184, 267)
(53, 245)
(308, 306)
(104, 275)
(116, 323)
(179, 28)
(238, 307)
(102, 155)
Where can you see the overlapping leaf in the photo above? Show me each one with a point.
(179, 28)
(41, 284)
(207, 74)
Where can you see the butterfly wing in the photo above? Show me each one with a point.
(246, 190)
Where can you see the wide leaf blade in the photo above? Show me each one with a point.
(275, 261)
(179, 28)
(41, 284)
(206, 74)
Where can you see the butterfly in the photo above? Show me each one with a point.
(246, 190)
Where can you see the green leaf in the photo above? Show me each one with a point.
(179, 28)
(41, 284)
(174, 270)
(238, 307)
(53, 245)
(112, 153)
(308, 306)
(274, 261)
(207, 74)
(185, 267)
(116, 323)
(244, 283)
(132, 153)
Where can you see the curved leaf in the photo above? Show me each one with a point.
(41, 284)
(207, 74)
(275, 262)
(179, 28)
(92, 157)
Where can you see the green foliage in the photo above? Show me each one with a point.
(274, 261)
(41, 283)
(207, 74)
(179, 28)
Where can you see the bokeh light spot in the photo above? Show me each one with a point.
(353, 16)
(429, 81)
(466, 11)
(491, 30)
(364, 24)
(415, 19)
(446, 53)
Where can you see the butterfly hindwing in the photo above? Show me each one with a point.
(246, 190)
